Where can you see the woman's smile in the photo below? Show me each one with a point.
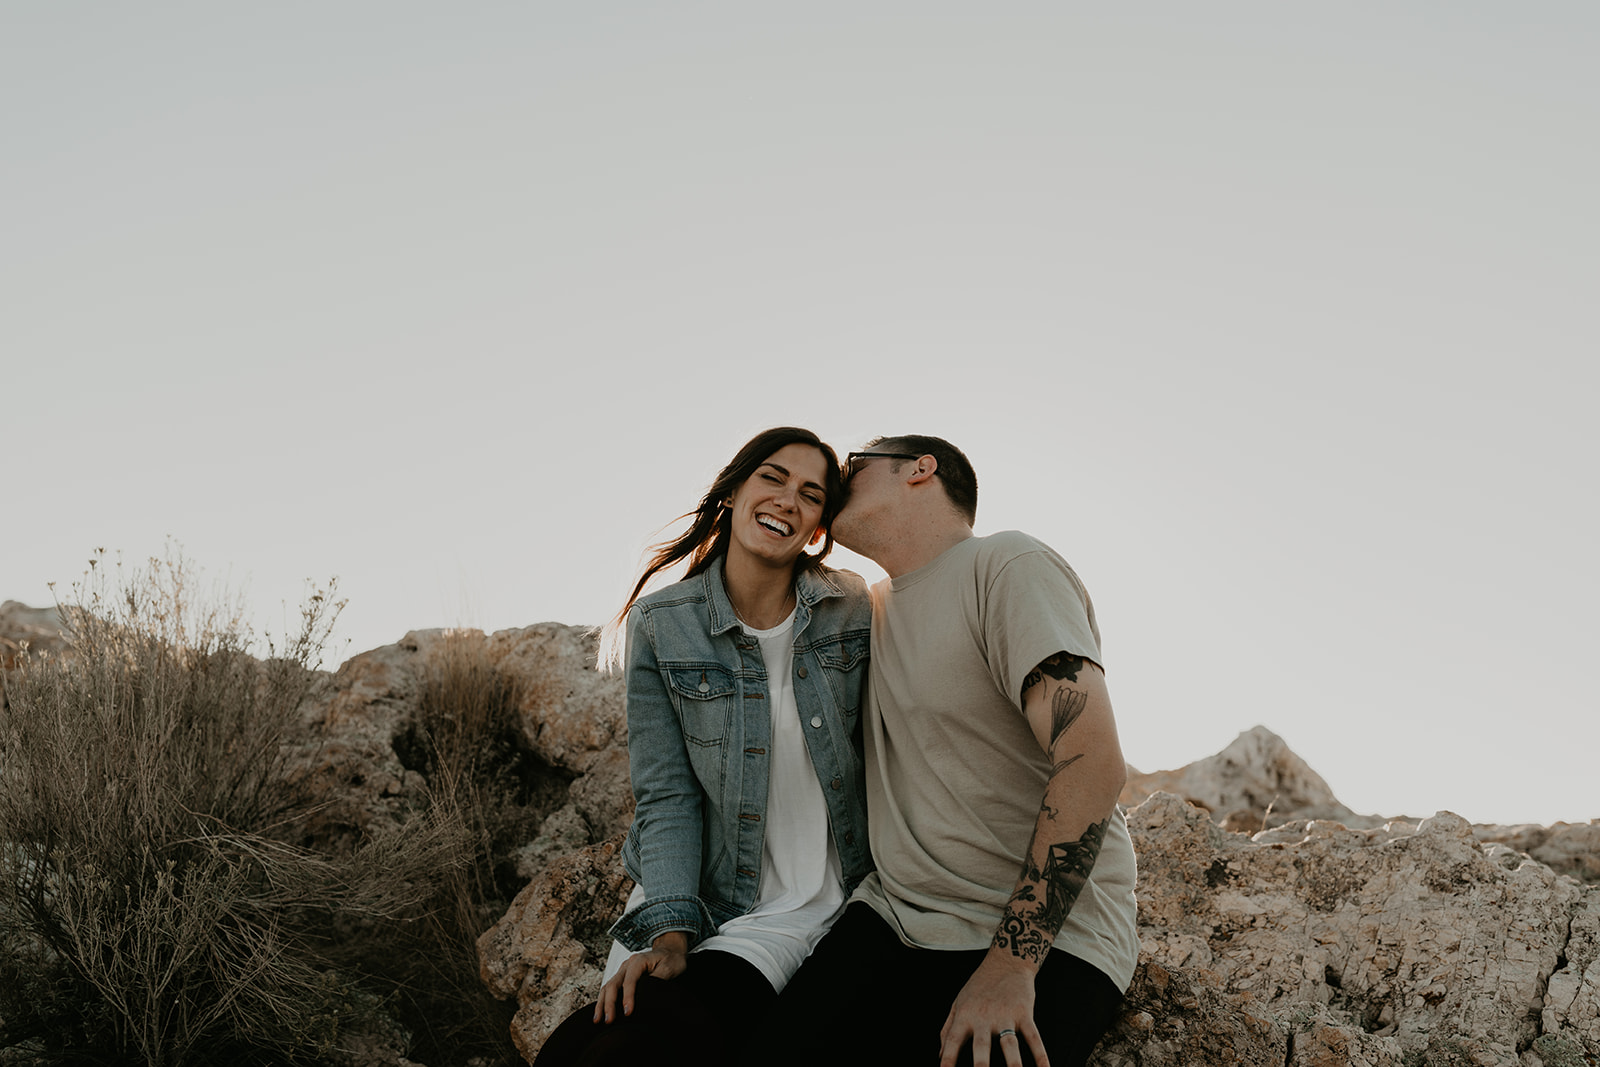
(778, 526)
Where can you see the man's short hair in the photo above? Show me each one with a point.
(955, 470)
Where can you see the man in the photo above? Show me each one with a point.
(1000, 924)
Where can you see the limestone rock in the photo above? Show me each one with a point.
(549, 950)
(1411, 934)
(573, 715)
(574, 718)
(360, 720)
(1311, 944)
(1572, 999)
(1325, 939)
(1567, 848)
(38, 628)
(1316, 938)
(348, 757)
(1185, 1016)
(1256, 782)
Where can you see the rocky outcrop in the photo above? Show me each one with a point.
(36, 631)
(36, 628)
(1362, 946)
(360, 723)
(1254, 783)
(548, 951)
(1276, 926)
(1311, 943)
(1566, 848)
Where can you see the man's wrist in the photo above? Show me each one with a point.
(1020, 937)
(1003, 952)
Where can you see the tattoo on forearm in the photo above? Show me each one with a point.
(1062, 765)
(1065, 707)
(1030, 924)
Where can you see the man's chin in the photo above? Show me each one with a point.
(845, 537)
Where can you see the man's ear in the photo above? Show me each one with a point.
(927, 467)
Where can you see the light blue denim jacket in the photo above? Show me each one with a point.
(699, 732)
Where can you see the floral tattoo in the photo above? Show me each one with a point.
(1063, 667)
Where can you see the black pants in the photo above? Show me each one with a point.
(865, 997)
(703, 1016)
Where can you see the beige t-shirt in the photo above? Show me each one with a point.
(955, 777)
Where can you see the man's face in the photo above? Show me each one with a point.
(868, 492)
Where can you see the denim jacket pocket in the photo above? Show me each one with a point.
(705, 698)
(844, 664)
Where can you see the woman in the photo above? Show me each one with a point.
(744, 697)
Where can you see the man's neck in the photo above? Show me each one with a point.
(920, 548)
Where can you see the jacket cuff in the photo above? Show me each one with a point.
(659, 915)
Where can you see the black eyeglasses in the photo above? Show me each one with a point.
(850, 460)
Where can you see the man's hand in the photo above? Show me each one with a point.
(667, 957)
(997, 1001)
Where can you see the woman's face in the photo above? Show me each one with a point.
(775, 513)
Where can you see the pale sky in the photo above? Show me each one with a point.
(1278, 321)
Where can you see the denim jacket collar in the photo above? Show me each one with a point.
(812, 586)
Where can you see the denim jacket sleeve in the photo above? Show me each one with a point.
(667, 821)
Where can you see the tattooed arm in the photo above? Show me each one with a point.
(1069, 711)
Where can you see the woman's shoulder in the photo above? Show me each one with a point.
(837, 577)
(685, 591)
(841, 583)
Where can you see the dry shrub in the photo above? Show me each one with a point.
(468, 743)
(152, 909)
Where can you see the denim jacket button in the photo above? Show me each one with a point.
(816, 721)
(837, 783)
(705, 687)
(801, 672)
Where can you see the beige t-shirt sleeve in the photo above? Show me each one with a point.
(1035, 607)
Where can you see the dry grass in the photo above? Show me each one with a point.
(151, 909)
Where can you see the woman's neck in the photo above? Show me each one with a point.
(761, 596)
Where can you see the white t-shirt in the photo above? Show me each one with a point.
(802, 890)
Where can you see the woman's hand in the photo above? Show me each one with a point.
(667, 957)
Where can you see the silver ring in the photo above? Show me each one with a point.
(1003, 1033)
